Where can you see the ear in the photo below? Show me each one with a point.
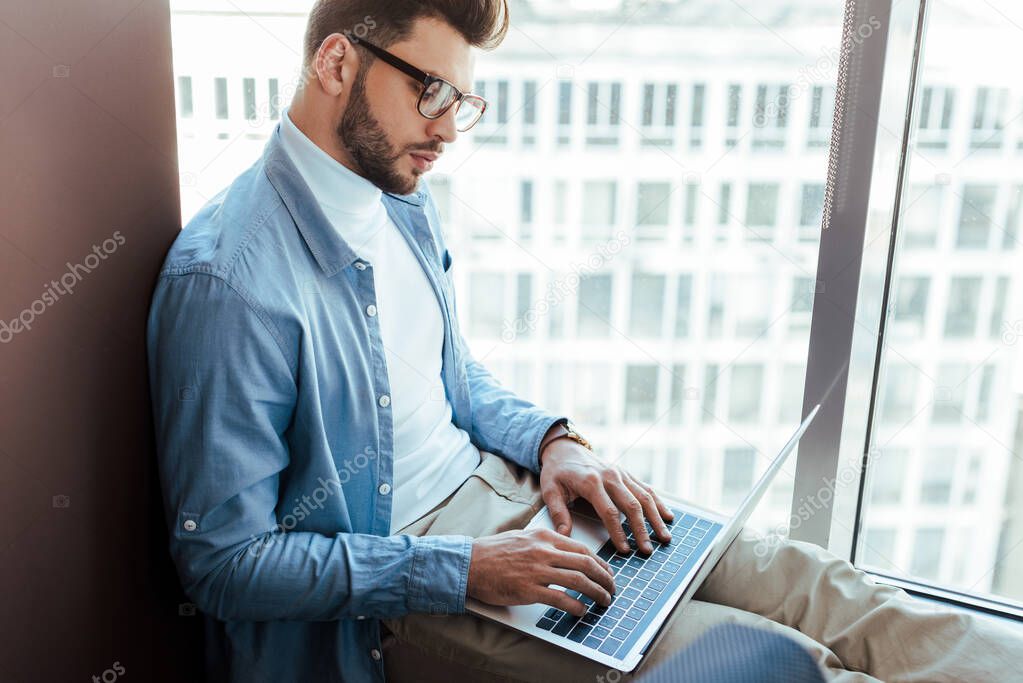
(336, 64)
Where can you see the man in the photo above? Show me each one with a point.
(336, 465)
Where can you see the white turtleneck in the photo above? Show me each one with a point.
(432, 457)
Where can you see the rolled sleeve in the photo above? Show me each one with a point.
(440, 574)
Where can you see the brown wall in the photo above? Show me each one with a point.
(87, 154)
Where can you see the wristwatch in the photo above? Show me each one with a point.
(568, 433)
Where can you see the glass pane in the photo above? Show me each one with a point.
(943, 500)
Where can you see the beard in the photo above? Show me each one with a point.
(371, 150)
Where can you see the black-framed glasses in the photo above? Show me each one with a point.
(438, 95)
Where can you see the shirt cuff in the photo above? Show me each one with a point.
(543, 427)
(440, 574)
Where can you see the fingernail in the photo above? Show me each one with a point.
(563, 529)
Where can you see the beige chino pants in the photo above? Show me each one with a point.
(855, 629)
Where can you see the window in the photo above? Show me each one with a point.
(529, 122)
(878, 548)
(936, 484)
(594, 306)
(771, 115)
(640, 393)
(989, 118)
(935, 117)
(657, 119)
(647, 305)
(822, 110)
(811, 209)
(249, 93)
(910, 315)
(653, 207)
(761, 211)
(220, 97)
(975, 216)
(564, 112)
(696, 117)
(185, 110)
(679, 395)
(683, 305)
(927, 546)
(526, 208)
(492, 128)
(603, 112)
(963, 302)
(733, 131)
(888, 476)
(275, 99)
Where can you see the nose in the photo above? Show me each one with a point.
(443, 128)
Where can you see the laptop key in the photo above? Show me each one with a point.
(615, 612)
(591, 618)
(657, 585)
(636, 562)
(610, 646)
(606, 551)
(565, 625)
(617, 561)
(628, 624)
(600, 632)
(646, 574)
(620, 633)
(546, 624)
(592, 642)
(579, 633)
(671, 567)
(634, 613)
(553, 613)
(648, 594)
(643, 604)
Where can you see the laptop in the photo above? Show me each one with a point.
(648, 589)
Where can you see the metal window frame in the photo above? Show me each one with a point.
(873, 128)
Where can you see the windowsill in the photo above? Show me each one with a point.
(1008, 612)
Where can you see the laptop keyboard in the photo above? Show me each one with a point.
(643, 584)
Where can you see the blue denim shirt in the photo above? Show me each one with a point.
(274, 435)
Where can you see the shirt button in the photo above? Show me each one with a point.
(384, 489)
(190, 525)
(375, 654)
(359, 265)
(371, 310)
(385, 401)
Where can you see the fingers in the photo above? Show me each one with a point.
(557, 598)
(649, 502)
(558, 509)
(589, 565)
(633, 510)
(608, 512)
(578, 581)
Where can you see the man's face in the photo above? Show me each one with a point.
(381, 128)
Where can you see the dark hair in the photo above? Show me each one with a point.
(483, 23)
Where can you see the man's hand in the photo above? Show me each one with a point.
(516, 568)
(570, 471)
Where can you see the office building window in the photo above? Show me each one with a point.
(822, 112)
(716, 305)
(683, 305)
(594, 313)
(249, 95)
(811, 212)
(761, 211)
(989, 118)
(733, 130)
(492, 128)
(679, 395)
(526, 209)
(647, 304)
(564, 112)
(790, 401)
(910, 315)
(744, 395)
(658, 114)
(185, 106)
(529, 113)
(737, 475)
(653, 207)
(724, 212)
(603, 113)
(935, 117)
(560, 210)
(696, 117)
(1013, 219)
(709, 394)
(220, 97)
(998, 323)
(590, 388)
(770, 116)
(963, 303)
(640, 393)
(975, 216)
(275, 99)
(801, 305)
